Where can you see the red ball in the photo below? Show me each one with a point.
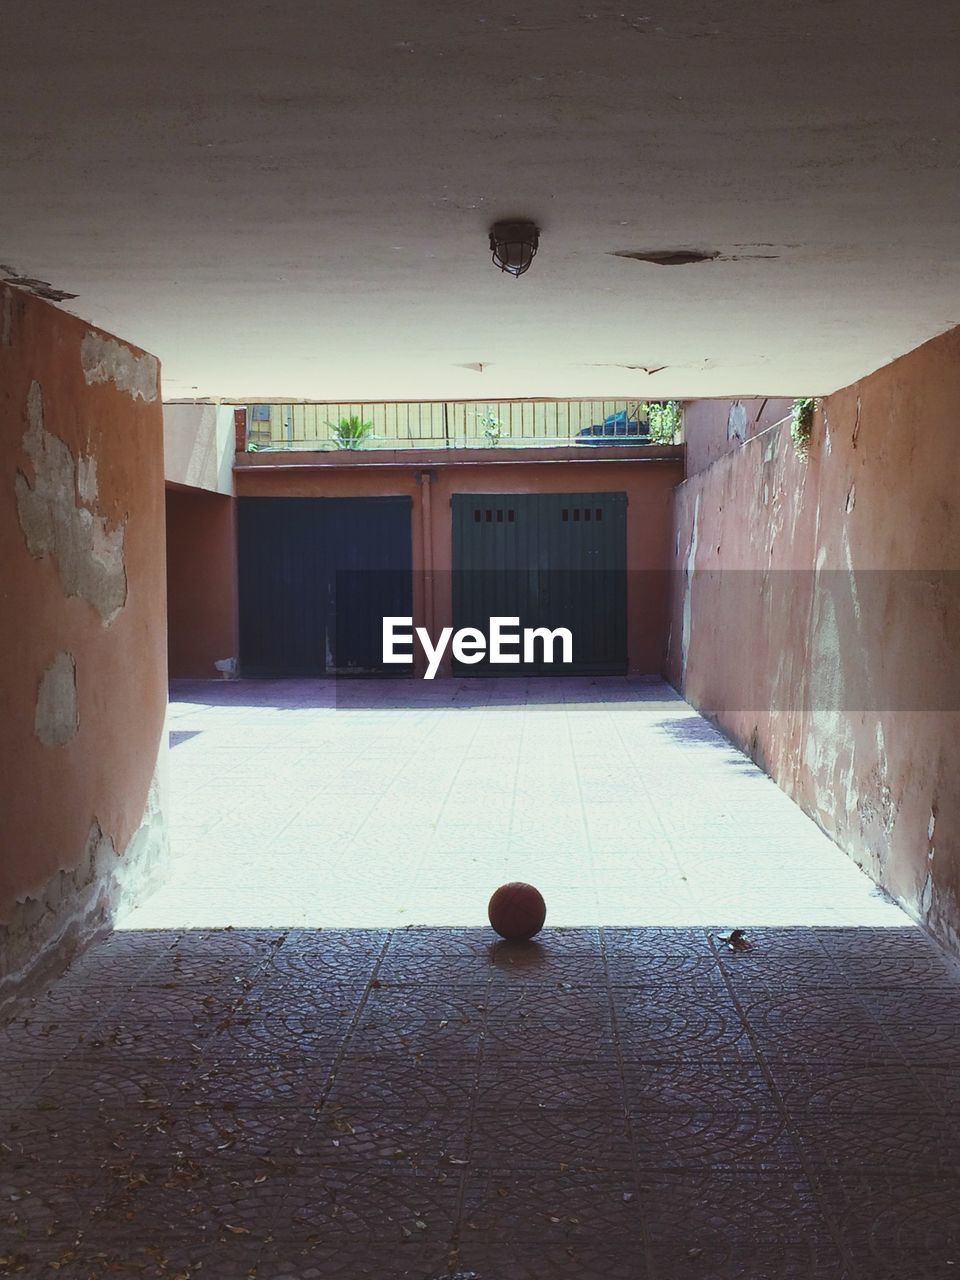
(517, 911)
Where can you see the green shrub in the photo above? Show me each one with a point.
(665, 418)
(801, 424)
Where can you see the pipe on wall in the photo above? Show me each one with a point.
(425, 481)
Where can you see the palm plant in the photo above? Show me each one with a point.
(350, 433)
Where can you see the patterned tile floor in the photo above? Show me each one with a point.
(308, 1058)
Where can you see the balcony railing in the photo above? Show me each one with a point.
(461, 424)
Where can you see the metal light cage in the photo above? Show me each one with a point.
(514, 246)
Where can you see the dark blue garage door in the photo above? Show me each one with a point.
(316, 577)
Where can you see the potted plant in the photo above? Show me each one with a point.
(492, 428)
(350, 433)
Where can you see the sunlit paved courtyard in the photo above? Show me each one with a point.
(383, 804)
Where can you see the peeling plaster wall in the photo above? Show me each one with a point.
(57, 719)
(81, 901)
(82, 631)
(816, 618)
(106, 360)
(58, 515)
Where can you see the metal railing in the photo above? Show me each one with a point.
(460, 424)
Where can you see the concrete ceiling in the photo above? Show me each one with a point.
(291, 199)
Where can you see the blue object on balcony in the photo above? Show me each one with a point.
(616, 428)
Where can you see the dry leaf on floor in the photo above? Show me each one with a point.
(737, 940)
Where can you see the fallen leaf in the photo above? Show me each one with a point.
(737, 940)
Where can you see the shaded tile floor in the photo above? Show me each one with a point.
(625, 1098)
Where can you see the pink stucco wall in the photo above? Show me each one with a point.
(82, 631)
(712, 428)
(816, 617)
(201, 581)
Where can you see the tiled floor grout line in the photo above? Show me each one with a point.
(453, 781)
(681, 869)
(627, 1118)
(516, 773)
(587, 839)
(809, 1170)
(401, 764)
(342, 1051)
(453, 1254)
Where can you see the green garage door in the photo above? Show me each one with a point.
(552, 560)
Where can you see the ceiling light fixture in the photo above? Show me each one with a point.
(514, 245)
